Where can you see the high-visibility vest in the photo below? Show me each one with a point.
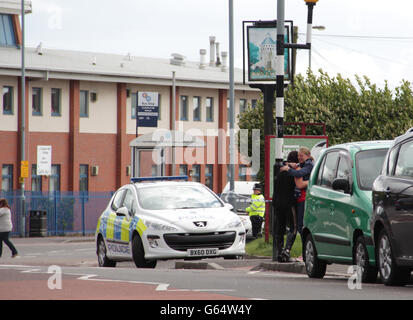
(257, 206)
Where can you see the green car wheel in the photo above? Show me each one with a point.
(315, 267)
(361, 259)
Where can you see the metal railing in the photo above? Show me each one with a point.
(67, 212)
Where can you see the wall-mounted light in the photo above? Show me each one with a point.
(93, 96)
(95, 171)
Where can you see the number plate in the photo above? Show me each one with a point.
(202, 252)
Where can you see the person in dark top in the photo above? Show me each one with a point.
(301, 170)
(283, 203)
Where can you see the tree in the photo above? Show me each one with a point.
(351, 112)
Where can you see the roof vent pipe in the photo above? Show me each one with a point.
(224, 56)
(202, 64)
(177, 59)
(39, 49)
(218, 62)
(212, 51)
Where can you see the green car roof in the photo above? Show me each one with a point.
(354, 147)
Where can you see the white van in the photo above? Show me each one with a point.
(242, 192)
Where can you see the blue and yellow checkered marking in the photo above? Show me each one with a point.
(138, 225)
(117, 228)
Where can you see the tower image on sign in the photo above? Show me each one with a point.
(268, 54)
(262, 53)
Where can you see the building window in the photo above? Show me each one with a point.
(84, 178)
(197, 108)
(84, 104)
(159, 105)
(253, 175)
(7, 100)
(7, 178)
(209, 109)
(36, 180)
(209, 176)
(56, 102)
(228, 111)
(242, 105)
(184, 108)
(196, 173)
(36, 101)
(54, 184)
(242, 172)
(134, 105)
(183, 170)
(154, 170)
(7, 37)
(254, 103)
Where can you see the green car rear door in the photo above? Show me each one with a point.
(330, 210)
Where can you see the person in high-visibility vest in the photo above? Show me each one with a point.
(256, 210)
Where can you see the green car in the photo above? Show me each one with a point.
(338, 208)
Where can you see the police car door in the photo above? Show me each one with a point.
(119, 245)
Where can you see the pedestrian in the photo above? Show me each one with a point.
(284, 208)
(6, 227)
(256, 210)
(301, 170)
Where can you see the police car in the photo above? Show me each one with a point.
(166, 218)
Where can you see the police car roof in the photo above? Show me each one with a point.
(162, 180)
(159, 178)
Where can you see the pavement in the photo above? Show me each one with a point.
(251, 263)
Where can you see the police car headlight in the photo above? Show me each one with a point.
(159, 226)
(234, 224)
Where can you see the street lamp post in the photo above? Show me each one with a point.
(231, 198)
(321, 28)
(23, 124)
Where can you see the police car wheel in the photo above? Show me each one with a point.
(103, 260)
(138, 254)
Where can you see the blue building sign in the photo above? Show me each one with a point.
(148, 109)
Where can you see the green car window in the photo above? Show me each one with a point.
(344, 170)
(329, 169)
(368, 167)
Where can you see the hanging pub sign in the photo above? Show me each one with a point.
(148, 109)
(262, 51)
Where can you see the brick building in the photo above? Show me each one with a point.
(83, 105)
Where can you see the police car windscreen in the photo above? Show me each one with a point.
(176, 197)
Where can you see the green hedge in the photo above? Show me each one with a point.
(351, 112)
